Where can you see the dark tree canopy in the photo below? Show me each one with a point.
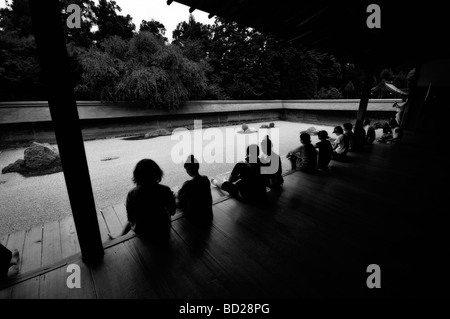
(110, 23)
(154, 27)
(109, 60)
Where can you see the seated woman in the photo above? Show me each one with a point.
(194, 197)
(271, 165)
(149, 204)
(245, 181)
(303, 157)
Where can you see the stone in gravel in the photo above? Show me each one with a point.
(17, 166)
(39, 156)
(151, 134)
(163, 132)
(39, 159)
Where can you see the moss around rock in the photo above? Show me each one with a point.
(39, 159)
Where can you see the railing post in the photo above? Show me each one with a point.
(53, 58)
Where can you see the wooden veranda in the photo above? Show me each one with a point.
(315, 239)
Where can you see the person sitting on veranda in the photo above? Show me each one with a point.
(9, 263)
(303, 157)
(325, 150)
(246, 182)
(370, 132)
(340, 144)
(271, 165)
(350, 136)
(149, 204)
(392, 133)
(194, 197)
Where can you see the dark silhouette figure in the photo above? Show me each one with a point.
(271, 165)
(325, 150)
(246, 182)
(392, 132)
(8, 263)
(149, 204)
(370, 132)
(194, 197)
(350, 136)
(303, 157)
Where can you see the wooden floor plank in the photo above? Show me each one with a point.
(249, 278)
(119, 276)
(111, 219)
(104, 231)
(174, 277)
(153, 260)
(51, 244)
(121, 213)
(6, 293)
(32, 251)
(69, 238)
(53, 285)
(279, 250)
(26, 290)
(16, 241)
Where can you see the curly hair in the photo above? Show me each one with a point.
(147, 172)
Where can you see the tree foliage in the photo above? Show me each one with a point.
(141, 69)
(221, 61)
(110, 23)
(155, 27)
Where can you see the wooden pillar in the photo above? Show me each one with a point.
(363, 102)
(53, 58)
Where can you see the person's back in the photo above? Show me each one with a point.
(308, 156)
(325, 150)
(370, 132)
(271, 165)
(149, 205)
(149, 208)
(305, 156)
(246, 181)
(342, 144)
(249, 180)
(350, 136)
(195, 198)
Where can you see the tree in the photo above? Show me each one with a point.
(194, 38)
(83, 36)
(242, 58)
(142, 69)
(110, 23)
(155, 27)
(15, 17)
(19, 68)
(331, 93)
